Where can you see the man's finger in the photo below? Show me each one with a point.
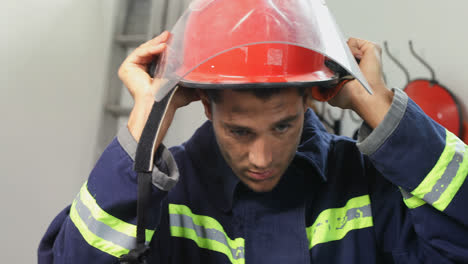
(359, 46)
(144, 55)
(147, 53)
(148, 48)
(355, 45)
(161, 38)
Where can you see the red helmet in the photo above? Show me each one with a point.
(275, 64)
(256, 43)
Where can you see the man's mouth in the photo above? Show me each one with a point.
(260, 175)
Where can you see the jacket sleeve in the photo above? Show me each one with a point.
(429, 165)
(100, 224)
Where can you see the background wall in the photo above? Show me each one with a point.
(54, 61)
(54, 64)
(436, 28)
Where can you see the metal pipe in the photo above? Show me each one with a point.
(398, 63)
(420, 59)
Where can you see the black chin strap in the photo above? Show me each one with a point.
(144, 160)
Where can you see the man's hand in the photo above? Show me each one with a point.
(371, 108)
(133, 71)
(143, 88)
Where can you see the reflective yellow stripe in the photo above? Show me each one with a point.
(452, 189)
(92, 239)
(108, 219)
(426, 185)
(413, 202)
(442, 183)
(206, 232)
(333, 224)
(100, 229)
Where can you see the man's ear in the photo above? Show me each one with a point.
(307, 99)
(206, 103)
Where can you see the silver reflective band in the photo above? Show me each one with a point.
(354, 213)
(449, 174)
(180, 220)
(405, 194)
(351, 214)
(102, 230)
(335, 223)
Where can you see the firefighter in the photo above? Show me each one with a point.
(262, 181)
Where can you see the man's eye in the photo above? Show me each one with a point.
(282, 128)
(239, 132)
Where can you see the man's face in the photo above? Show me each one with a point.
(258, 137)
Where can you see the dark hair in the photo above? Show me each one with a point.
(262, 93)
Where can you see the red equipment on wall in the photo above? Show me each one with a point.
(435, 99)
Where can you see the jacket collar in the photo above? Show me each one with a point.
(220, 180)
(315, 145)
(211, 168)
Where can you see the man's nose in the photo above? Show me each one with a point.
(260, 155)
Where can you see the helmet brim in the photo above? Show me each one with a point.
(334, 80)
(204, 32)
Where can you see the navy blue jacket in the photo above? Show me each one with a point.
(395, 196)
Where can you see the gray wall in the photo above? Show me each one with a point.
(54, 59)
(437, 28)
(53, 70)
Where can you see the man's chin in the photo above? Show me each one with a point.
(261, 186)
